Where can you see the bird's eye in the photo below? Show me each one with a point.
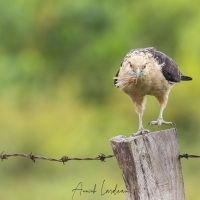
(144, 66)
(130, 65)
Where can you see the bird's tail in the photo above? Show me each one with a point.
(185, 78)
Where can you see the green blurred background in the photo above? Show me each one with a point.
(57, 62)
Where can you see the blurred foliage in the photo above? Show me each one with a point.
(57, 62)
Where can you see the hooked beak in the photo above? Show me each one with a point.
(137, 72)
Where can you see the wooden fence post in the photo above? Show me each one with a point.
(150, 165)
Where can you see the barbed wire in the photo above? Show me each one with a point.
(102, 157)
(187, 156)
(63, 159)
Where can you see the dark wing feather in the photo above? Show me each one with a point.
(170, 69)
(185, 78)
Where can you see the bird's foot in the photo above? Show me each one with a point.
(141, 132)
(159, 122)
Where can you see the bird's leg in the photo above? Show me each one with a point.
(141, 129)
(139, 107)
(163, 103)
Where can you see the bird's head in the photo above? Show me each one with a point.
(138, 69)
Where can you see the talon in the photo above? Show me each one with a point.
(141, 132)
(159, 122)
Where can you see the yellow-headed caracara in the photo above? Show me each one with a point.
(147, 71)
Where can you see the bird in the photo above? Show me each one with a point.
(146, 71)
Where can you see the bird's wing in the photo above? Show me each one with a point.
(169, 69)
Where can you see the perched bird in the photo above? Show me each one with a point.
(147, 71)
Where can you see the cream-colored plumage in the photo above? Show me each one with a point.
(148, 72)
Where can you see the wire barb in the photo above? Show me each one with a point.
(187, 156)
(32, 157)
(102, 157)
(3, 156)
(63, 159)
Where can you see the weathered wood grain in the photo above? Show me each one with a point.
(150, 165)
